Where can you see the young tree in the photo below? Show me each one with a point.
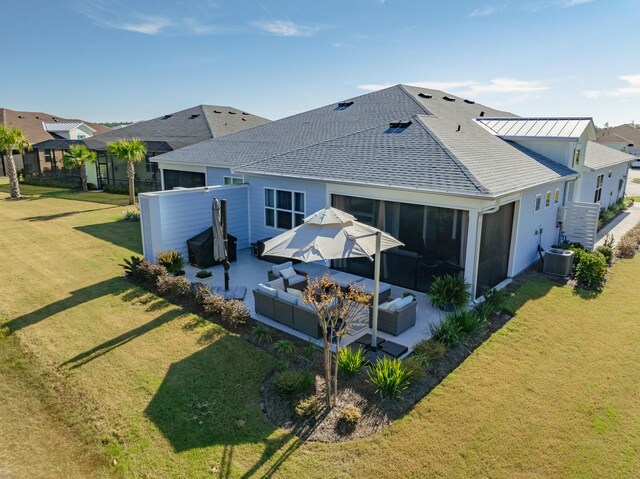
(338, 310)
(78, 157)
(130, 151)
(13, 139)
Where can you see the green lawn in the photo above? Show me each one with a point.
(107, 371)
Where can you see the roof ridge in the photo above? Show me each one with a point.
(465, 170)
(402, 87)
(206, 120)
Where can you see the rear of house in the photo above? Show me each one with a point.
(468, 189)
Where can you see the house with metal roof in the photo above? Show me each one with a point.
(468, 189)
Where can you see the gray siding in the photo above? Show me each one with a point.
(315, 199)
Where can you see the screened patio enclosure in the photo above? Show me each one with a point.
(434, 238)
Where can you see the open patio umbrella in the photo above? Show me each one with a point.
(333, 234)
(220, 238)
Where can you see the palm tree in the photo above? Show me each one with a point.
(13, 139)
(131, 151)
(78, 157)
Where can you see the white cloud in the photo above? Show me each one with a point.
(483, 11)
(148, 25)
(573, 3)
(632, 89)
(471, 87)
(286, 28)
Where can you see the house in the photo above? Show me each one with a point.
(165, 134)
(623, 138)
(468, 189)
(43, 127)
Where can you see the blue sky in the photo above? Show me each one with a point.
(107, 60)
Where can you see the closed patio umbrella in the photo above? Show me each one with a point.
(333, 234)
(219, 239)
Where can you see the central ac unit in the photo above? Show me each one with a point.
(558, 262)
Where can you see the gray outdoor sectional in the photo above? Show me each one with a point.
(396, 320)
(286, 307)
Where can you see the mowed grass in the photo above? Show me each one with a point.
(35, 192)
(553, 394)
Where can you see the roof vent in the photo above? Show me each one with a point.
(343, 105)
(448, 98)
(459, 127)
(245, 113)
(194, 116)
(482, 113)
(232, 113)
(37, 118)
(217, 111)
(424, 95)
(630, 144)
(470, 102)
(398, 125)
(20, 116)
(166, 117)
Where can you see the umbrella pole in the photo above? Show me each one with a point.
(223, 216)
(376, 294)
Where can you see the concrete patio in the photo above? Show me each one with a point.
(248, 271)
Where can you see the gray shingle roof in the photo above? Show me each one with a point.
(184, 127)
(352, 144)
(598, 156)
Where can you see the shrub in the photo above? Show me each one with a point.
(578, 254)
(173, 287)
(469, 321)
(284, 347)
(627, 248)
(172, 260)
(235, 312)
(149, 272)
(605, 251)
(132, 268)
(592, 270)
(213, 305)
(350, 360)
(449, 292)
(447, 332)
(200, 293)
(307, 407)
(204, 273)
(130, 215)
(309, 351)
(415, 366)
(389, 376)
(609, 240)
(427, 351)
(290, 383)
(350, 415)
(262, 334)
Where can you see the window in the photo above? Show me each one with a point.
(598, 193)
(283, 209)
(610, 173)
(576, 157)
(81, 136)
(150, 166)
(233, 180)
(538, 203)
(556, 196)
(547, 199)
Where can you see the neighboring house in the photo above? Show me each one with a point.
(623, 138)
(165, 134)
(34, 125)
(467, 189)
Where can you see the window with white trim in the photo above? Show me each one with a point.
(283, 209)
(232, 180)
(547, 199)
(538, 203)
(598, 193)
(556, 196)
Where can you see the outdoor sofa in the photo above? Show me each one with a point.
(292, 278)
(396, 316)
(286, 306)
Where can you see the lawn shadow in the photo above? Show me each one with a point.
(104, 348)
(63, 215)
(76, 298)
(125, 234)
(530, 290)
(586, 293)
